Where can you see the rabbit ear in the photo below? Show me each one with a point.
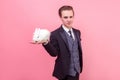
(36, 34)
(35, 30)
(39, 31)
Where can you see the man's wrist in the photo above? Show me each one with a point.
(45, 43)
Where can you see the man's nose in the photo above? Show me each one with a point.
(69, 19)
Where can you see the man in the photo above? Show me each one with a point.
(65, 44)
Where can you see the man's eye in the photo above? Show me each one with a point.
(71, 16)
(65, 17)
(68, 17)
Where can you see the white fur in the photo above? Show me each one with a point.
(41, 34)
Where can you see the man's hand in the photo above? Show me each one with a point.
(33, 42)
(40, 42)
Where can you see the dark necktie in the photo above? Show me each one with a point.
(70, 34)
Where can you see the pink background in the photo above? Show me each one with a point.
(98, 20)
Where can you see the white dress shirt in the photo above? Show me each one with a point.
(67, 30)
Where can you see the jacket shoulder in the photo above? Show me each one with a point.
(56, 31)
(77, 30)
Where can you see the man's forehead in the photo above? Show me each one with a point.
(67, 13)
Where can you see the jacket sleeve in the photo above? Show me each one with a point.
(52, 47)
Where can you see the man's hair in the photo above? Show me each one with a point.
(65, 7)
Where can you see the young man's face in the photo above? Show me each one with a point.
(67, 18)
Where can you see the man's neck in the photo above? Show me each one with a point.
(67, 27)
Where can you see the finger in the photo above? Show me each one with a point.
(39, 42)
(33, 42)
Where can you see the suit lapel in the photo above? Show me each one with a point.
(62, 33)
(76, 33)
(64, 37)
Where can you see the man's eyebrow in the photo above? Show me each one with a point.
(68, 16)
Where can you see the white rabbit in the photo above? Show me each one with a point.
(41, 34)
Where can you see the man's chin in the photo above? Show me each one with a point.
(69, 26)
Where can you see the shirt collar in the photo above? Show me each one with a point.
(66, 29)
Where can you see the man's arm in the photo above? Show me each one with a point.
(51, 46)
